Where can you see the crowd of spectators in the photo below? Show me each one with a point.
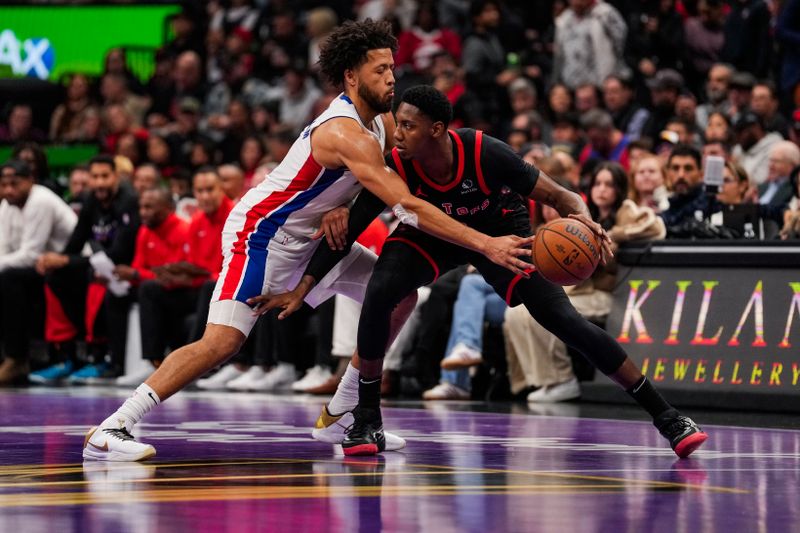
(621, 101)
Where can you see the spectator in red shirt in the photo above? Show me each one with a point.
(184, 283)
(161, 241)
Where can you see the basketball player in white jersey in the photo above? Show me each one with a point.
(267, 237)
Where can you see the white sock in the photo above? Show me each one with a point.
(346, 396)
(131, 412)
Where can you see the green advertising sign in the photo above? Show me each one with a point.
(48, 41)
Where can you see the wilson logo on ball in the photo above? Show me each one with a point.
(565, 251)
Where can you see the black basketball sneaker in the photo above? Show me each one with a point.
(365, 436)
(682, 433)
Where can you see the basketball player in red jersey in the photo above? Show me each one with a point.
(481, 182)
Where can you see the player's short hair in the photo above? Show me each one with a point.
(431, 102)
(347, 46)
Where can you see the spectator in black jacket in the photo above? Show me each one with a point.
(685, 178)
(81, 298)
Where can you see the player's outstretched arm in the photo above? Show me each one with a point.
(345, 143)
(568, 204)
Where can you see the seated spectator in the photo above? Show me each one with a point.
(19, 126)
(764, 103)
(740, 90)
(159, 153)
(75, 294)
(33, 220)
(718, 127)
(717, 148)
(736, 190)
(559, 100)
(665, 87)
(118, 122)
(639, 149)
(684, 130)
(116, 63)
(131, 147)
(522, 94)
(754, 145)
(685, 180)
(566, 134)
(296, 96)
(232, 181)
(78, 187)
(646, 185)
(146, 176)
(165, 283)
(777, 190)
(606, 143)
(629, 117)
(67, 122)
(114, 91)
(252, 153)
(587, 97)
(34, 155)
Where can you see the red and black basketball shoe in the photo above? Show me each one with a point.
(682, 433)
(365, 436)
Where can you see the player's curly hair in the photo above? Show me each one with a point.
(347, 46)
(431, 102)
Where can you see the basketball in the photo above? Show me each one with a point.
(566, 251)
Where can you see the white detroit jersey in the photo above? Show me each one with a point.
(266, 239)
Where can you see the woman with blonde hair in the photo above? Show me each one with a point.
(646, 185)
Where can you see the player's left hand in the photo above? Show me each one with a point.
(289, 302)
(600, 233)
(334, 227)
(506, 251)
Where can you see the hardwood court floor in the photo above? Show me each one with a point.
(245, 462)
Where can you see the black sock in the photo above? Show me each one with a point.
(648, 397)
(369, 393)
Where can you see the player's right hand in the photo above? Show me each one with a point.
(506, 251)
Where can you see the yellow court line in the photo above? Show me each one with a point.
(288, 492)
(240, 478)
(442, 468)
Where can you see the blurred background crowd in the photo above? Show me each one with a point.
(621, 101)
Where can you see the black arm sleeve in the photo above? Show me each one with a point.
(366, 208)
(502, 166)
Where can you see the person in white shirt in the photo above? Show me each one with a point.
(33, 220)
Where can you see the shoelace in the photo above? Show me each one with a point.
(121, 433)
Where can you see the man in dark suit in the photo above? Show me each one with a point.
(776, 191)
